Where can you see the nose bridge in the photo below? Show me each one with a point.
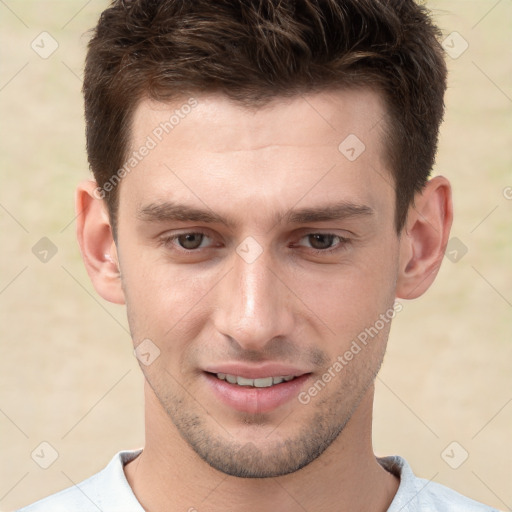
(254, 288)
(254, 307)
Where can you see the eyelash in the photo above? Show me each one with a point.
(343, 242)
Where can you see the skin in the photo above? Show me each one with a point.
(291, 305)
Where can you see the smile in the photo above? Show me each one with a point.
(265, 382)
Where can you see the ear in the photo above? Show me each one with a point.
(97, 243)
(424, 238)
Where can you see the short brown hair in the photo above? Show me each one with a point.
(255, 51)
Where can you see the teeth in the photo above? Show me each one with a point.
(241, 381)
(262, 383)
(265, 382)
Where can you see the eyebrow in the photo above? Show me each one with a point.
(171, 211)
(328, 212)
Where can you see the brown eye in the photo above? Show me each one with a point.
(321, 240)
(190, 241)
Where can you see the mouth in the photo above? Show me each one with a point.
(265, 382)
(258, 395)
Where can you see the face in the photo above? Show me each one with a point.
(252, 245)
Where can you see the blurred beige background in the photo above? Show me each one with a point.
(67, 373)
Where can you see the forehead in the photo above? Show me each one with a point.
(211, 150)
(218, 124)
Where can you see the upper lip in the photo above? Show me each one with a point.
(256, 372)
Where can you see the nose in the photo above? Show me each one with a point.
(254, 304)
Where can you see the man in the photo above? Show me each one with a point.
(261, 199)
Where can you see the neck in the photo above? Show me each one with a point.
(170, 476)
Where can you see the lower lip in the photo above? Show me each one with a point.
(255, 400)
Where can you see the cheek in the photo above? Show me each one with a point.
(164, 301)
(352, 296)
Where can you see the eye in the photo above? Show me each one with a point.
(190, 240)
(320, 240)
(187, 241)
(324, 242)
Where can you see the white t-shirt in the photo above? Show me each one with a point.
(109, 491)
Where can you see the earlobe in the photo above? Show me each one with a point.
(97, 243)
(424, 238)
